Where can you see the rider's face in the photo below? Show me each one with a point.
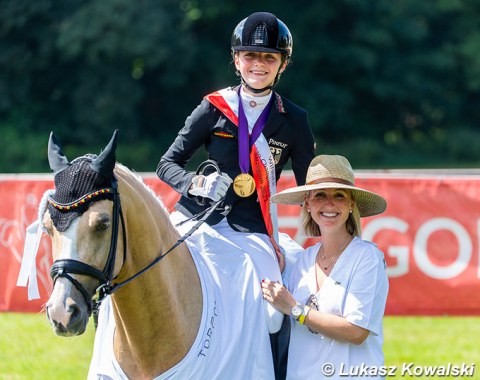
(258, 69)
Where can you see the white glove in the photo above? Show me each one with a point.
(213, 186)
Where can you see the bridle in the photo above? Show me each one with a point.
(66, 267)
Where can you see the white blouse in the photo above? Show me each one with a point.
(356, 289)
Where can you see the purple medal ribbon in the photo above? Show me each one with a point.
(245, 141)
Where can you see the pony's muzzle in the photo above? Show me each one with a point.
(67, 312)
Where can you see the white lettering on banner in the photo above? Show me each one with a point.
(420, 243)
(421, 254)
(13, 234)
(398, 252)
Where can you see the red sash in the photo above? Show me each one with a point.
(260, 173)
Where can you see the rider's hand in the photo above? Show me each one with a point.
(213, 186)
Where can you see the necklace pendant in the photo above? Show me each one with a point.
(252, 103)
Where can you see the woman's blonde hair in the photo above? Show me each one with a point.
(311, 228)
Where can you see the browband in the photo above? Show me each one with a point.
(81, 201)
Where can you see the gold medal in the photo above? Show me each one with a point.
(244, 185)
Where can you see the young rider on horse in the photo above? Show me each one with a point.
(250, 132)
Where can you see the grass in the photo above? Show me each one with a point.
(30, 350)
(432, 341)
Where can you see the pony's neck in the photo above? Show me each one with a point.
(157, 315)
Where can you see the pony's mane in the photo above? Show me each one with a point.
(130, 176)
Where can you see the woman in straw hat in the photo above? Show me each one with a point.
(338, 288)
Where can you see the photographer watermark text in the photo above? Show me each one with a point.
(404, 370)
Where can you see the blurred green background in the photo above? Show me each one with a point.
(387, 83)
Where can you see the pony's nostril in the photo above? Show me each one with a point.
(73, 310)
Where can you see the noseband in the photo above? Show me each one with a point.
(66, 267)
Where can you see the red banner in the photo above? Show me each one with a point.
(429, 234)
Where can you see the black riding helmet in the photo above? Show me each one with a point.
(262, 32)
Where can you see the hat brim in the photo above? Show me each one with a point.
(262, 49)
(368, 203)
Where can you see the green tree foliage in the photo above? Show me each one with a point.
(388, 83)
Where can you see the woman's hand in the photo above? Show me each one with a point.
(278, 296)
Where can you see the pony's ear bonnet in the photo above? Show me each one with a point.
(56, 158)
(105, 162)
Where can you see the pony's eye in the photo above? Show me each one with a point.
(102, 223)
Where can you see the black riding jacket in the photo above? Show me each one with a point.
(287, 132)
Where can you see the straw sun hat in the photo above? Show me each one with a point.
(333, 172)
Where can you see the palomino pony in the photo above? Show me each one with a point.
(170, 321)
